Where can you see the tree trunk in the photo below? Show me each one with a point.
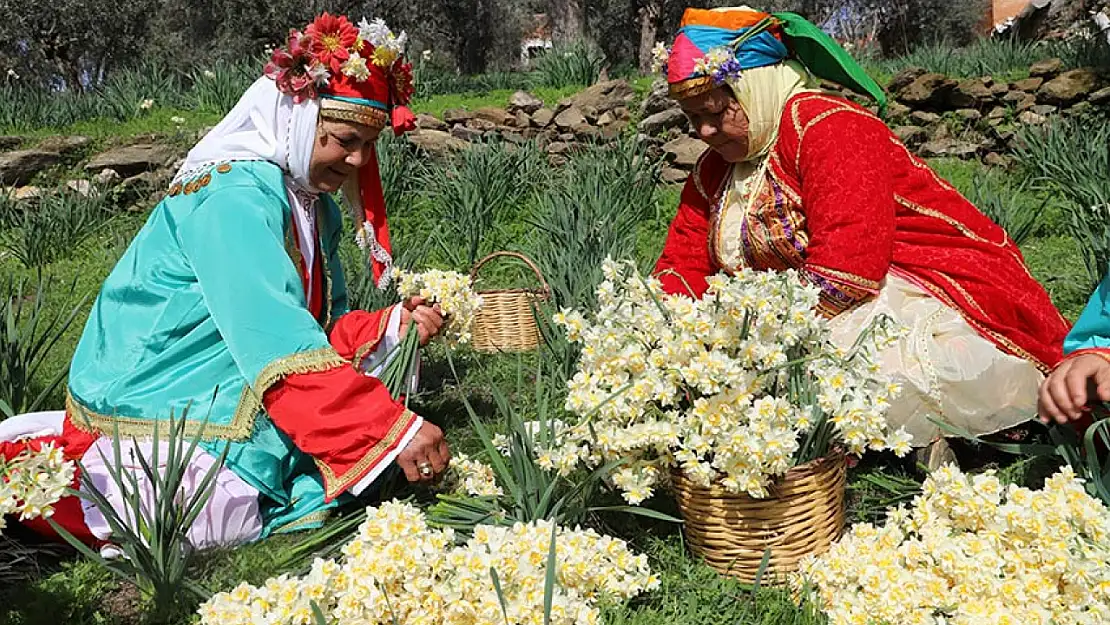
(649, 15)
(568, 19)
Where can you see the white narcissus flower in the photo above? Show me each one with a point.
(454, 293)
(690, 383)
(318, 73)
(355, 67)
(970, 550)
(397, 569)
(32, 482)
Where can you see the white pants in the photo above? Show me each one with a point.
(947, 370)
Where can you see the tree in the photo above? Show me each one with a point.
(568, 18)
(72, 43)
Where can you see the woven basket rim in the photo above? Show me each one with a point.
(544, 293)
(794, 472)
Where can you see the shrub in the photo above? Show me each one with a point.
(591, 212)
(474, 199)
(578, 63)
(51, 230)
(217, 88)
(1072, 159)
(29, 330)
(124, 93)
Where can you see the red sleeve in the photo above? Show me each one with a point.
(686, 262)
(357, 333)
(345, 420)
(843, 163)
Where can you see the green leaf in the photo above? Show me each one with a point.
(638, 511)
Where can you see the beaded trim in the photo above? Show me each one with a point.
(691, 87)
(351, 112)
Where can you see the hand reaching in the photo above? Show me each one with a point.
(1071, 386)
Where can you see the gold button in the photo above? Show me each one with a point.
(223, 168)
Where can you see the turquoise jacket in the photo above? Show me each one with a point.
(1092, 329)
(204, 312)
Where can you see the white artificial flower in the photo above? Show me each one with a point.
(355, 67)
(318, 73)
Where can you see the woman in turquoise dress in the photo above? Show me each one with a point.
(229, 308)
(1083, 377)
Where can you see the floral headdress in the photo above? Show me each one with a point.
(358, 74)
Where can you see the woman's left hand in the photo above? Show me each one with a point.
(429, 319)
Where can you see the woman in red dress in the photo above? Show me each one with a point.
(800, 178)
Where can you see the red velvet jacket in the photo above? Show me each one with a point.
(846, 203)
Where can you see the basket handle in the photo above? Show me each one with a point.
(518, 256)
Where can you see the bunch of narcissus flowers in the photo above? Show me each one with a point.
(970, 551)
(398, 570)
(471, 477)
(32, 482)
(453, 292)
(459, 304)
(736, 387)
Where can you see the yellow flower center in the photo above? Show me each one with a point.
(331, 42)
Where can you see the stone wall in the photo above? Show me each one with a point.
(933, 114)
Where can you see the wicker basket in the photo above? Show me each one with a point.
(506, 322)
(731, 532)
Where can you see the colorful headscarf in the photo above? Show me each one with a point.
(355, 74)
(715, 46)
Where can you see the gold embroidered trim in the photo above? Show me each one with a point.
(844, 276)
(697, 176)
(364, 350)
(967, 232)
(998, 339)
(250, 402)
(293, 250)
(351, 112)
(963, 292)
(325, 264)
(93, 422)
(311, 518)
(242, 422)
(691, 87)
(916, 162)
(334, 485)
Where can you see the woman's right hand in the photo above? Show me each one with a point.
(1071, 386)
(429, 319)
(428, 450)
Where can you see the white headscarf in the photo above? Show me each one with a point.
(265, 125)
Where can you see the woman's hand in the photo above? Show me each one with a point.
(1071, 386)
(426, 456)
(429, 319)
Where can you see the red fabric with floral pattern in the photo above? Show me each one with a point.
(871, 207)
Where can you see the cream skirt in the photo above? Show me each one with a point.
(946, 369)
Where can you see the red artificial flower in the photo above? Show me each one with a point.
(288, 68)
(331, 37)
(403, 88)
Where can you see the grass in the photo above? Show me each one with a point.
(75, 591)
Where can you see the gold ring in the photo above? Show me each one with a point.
(425, 469)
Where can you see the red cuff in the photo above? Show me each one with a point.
(357, 333)
(1101, 352)
(346, 421)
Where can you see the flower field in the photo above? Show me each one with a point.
(556, 508)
